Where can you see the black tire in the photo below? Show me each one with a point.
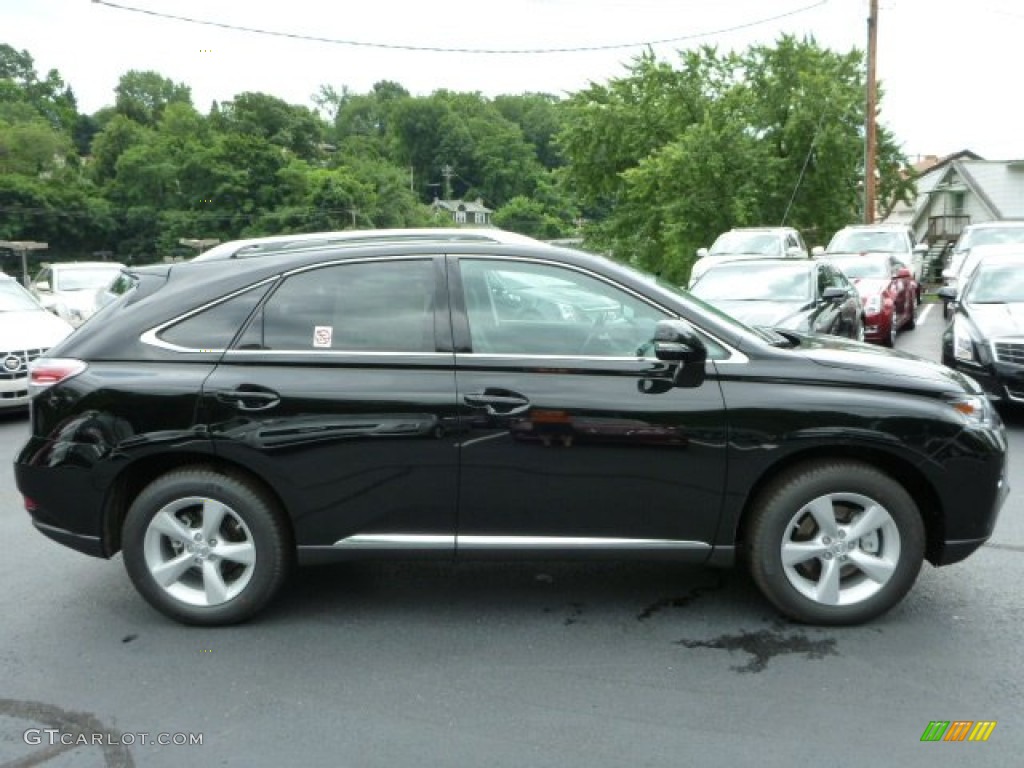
(244, 524)
(890, 339)
(781, 516)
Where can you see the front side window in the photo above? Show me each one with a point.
(377, 306)
(526, 308)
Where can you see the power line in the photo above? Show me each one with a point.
(803, 168)
(439, 49)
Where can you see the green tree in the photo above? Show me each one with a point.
(529, 217)
(144, 95)
(666, 157)
(294, 128)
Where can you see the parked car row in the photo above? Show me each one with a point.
(231, 417)
(873, 271)
(984, 337)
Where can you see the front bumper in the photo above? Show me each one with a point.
(1002, 382)
(14, 392)
(878, 328)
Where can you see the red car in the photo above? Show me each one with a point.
(888, 293)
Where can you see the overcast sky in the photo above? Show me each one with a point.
(948, 67)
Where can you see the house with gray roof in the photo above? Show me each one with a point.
(958, 190)
(464, 212)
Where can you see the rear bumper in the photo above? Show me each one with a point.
(90, 545)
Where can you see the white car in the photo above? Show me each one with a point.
(71, 290)
(749, 242)
(985, 234)
(895, 239)
(26, 332)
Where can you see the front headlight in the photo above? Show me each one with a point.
(963, 345)
(873, 305)
(974, 408)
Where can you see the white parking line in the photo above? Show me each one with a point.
(924, 313)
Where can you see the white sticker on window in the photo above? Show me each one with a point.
(322, 335)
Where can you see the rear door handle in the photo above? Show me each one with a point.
(250, 399)
(498, 402)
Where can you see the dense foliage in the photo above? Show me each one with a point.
(651, 165)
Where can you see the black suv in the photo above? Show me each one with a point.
(221, 420)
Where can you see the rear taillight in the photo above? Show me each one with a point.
(45, 372)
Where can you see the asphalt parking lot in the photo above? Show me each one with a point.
(505, 665)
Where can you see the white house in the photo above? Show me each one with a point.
(463, 212)
(958, 190)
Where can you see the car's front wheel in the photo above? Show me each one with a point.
(205, 548)
(835, 542)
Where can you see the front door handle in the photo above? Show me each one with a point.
(249, 399)
(498, 402)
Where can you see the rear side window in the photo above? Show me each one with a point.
(379, 306)
(214, 327)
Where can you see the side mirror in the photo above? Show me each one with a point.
(921, 248)
(904, 272)
(833, 293)
(795, 252)
(948, 273)
(702, 252)
(675, 341)
(947, 293)
(43, 286)
(817, 251)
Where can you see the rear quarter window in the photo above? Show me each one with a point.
(214, 327)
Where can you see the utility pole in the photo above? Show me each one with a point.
(447, 171)
(870, 135)
(22, 247)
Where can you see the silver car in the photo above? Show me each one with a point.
(72, 290)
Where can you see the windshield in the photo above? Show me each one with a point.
(760, 243)
(858, 267)
(997, 284)
(702, 306)
(990, 236)
(84, 278)
(14, 298)
(862, 241)
(747, 281)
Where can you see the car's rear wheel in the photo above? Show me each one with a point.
(835, 543)
(205, 548)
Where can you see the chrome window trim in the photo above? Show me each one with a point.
(332, 353)
(151, 337)
(733, 352)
